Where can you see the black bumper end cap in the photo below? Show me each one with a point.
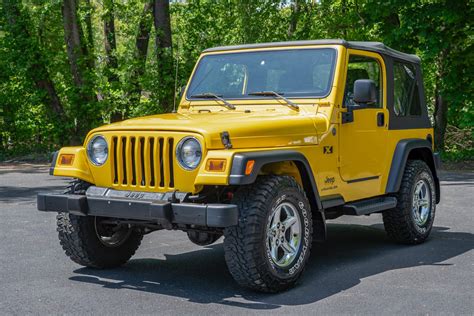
(222, 215)
(74, 204)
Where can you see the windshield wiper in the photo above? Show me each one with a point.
(291, 104)
(209, 95)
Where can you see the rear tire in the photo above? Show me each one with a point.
(91, 243)
(268, 249)
(412, 219)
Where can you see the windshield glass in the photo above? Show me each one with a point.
(293, 73)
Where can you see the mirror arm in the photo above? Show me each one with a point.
(361, 106)
(348, 116)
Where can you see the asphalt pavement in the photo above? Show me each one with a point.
(357, 271)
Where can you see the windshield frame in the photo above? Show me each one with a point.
(199, 64)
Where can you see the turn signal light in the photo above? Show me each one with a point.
(66, 159)
(249, 167)
(216, 165)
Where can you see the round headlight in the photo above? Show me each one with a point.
(189, 153)
(97, 150)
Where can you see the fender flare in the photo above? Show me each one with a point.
(238, 177)
(399, 160)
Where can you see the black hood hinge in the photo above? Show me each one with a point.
(225, 139)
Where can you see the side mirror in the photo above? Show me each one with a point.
(365, 92)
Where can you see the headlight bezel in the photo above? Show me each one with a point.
(89, 149)
(179, 156)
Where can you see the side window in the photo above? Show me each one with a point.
(406, 94)
(362, 67)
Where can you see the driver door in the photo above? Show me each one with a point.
(363, 141)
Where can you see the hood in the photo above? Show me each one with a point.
(269, 128)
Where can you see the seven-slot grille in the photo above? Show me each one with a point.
(143, 161)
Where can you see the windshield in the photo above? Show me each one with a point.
(293, 73)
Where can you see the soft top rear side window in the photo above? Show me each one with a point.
(406, 90)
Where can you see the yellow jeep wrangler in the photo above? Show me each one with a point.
(269, 141)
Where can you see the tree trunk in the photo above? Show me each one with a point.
(164, 56)
(143, 36)
(37, 69)
(441, 105)
(72, 37)
(81, 64)
(161, 13)
(80, 60)
(295, 11)
(3, 126)
(110, 42)
(141, 44)
(44, 83)
(110, 51)
(344, 25)
(244, 14)
(89, 29)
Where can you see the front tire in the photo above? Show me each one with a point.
(412, 219)
(91, 241)
(268, 249)
(91, 244)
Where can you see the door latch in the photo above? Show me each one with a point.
(380, 119)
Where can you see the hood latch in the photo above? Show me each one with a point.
(225, 139)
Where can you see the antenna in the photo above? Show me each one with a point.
(176, 76)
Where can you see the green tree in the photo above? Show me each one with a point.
(67, 66)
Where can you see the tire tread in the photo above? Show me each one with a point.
(76, 237)
(398, 221)
(244, 240)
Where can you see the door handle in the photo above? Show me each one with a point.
(380, 119)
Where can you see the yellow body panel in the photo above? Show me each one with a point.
(336, 152)
(80, 167)
(205, 177)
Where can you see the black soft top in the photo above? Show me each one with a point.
(368, 46)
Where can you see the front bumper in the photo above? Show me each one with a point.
(159, 211)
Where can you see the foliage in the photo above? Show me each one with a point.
(459, 143)
(118, 82)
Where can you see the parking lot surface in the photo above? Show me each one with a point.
(357, 271)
